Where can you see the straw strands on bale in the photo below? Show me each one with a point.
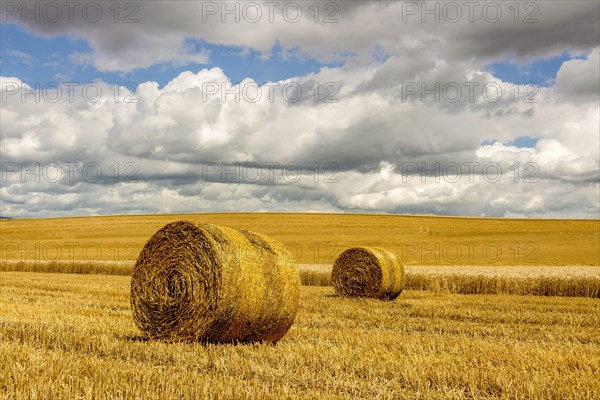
(200, 282)
(368, 272)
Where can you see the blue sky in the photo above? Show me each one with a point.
(50, 62)
(541, 72)
(520, 142)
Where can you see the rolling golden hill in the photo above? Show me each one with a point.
(320, 238)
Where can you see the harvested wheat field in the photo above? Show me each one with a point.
(321, 238)
(458, 330)
(72, 336)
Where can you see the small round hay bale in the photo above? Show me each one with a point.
(373, 272)
(200, 282)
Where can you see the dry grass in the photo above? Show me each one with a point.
(201, 282)
(72, 336)
(482, 284)
(515, 280)
(514, 271)
(66, 267)
(321, 238)
(535, 281)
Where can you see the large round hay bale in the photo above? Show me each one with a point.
(373, 272)
(200, 282)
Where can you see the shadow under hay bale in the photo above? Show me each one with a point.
(373, 272)
(200, 282)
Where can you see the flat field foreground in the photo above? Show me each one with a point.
(320, 238)
(65, 336)
(494, 309)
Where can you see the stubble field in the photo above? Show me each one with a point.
(72, 335)
(320, 238)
